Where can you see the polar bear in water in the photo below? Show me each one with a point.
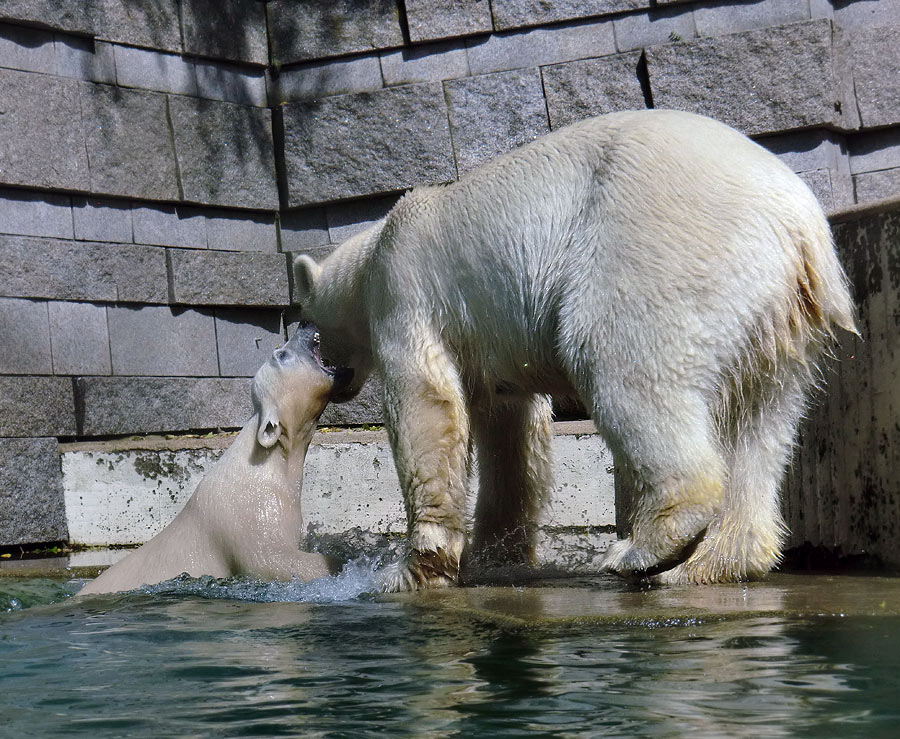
(666, 270)
(244, 517)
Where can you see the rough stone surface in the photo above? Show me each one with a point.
(222, 278)
(66, 16)
(36, 214)
(866, 13)
(352, 145)
(494, 113)
(32, 506)
(329, 77)
(67, 270)
(166, 225)
(246, 339)
(79, 338)
(434, 19)
(128, 405)
(365, 408)
(872, 186)
(27, 49)
(301, 230)
(347, 219)
(152, 70)
(24, 338)
(161, 341)
(579, 90)
(102, 220)
(742, 80)
(874, 151)
(504, 51)
(234, 84)
(41, 142)
(36, 406)
(718, 19)
(876, 71)
(128, 144)
(85, 59)
(225, 153)
(331, 29)
(226, 29)
(153, 25)
(637, 30)
(516, 13)
(238, 232)
(427, 63)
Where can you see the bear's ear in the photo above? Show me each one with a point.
(306, 272)
(269, 431)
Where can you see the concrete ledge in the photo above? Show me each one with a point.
(123, 492)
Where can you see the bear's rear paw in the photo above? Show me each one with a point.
(418, 571)
(628, 560)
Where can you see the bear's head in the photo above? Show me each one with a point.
(292, 388)
(330, 296)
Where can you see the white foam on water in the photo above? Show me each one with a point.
(358, 577)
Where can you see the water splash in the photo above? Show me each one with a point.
(357, 579)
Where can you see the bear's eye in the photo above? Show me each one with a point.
(281, 355)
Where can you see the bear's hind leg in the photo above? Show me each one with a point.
(513, 437)
(745, 542)
(677, 470)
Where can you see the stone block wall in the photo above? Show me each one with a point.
(159, 162)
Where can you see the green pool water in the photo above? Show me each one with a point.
(809, 657)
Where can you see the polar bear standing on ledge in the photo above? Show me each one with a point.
(671, 273)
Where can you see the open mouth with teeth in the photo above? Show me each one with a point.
(342, 376)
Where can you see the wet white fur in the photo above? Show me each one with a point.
(244, 517)
(662, 267)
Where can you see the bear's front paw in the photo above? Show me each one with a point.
(627, 559)
(418, 571)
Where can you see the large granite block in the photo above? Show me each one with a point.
(149, 69)
(24, 338)
(494, 113)
(303, 230)
(74, 17)
(226, 29)
(166, 225)
(36, 406)
(32, 505)
(246, 339)
(41, 142)
(352, 145)
(863, 14)
(35, 214)
(346, 219)
(365, 408)
(27, 49)
(746, 81)
(233, 231)
(128, 405)
(80, 339)
(881, 185)
(217, 81)
(225, 153)
(85, 59)
(874, 150)
(579, 90)
(158, 340)
(518, 13)
(96, 219)
(426, 63)
(428, 20)
(67, 270)
(222, 278)
(718, 19)
(331, 29)
(128, 143)
(328, 77)
(875, 55)
(658, 26)
(152, 25)
(541, 46)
